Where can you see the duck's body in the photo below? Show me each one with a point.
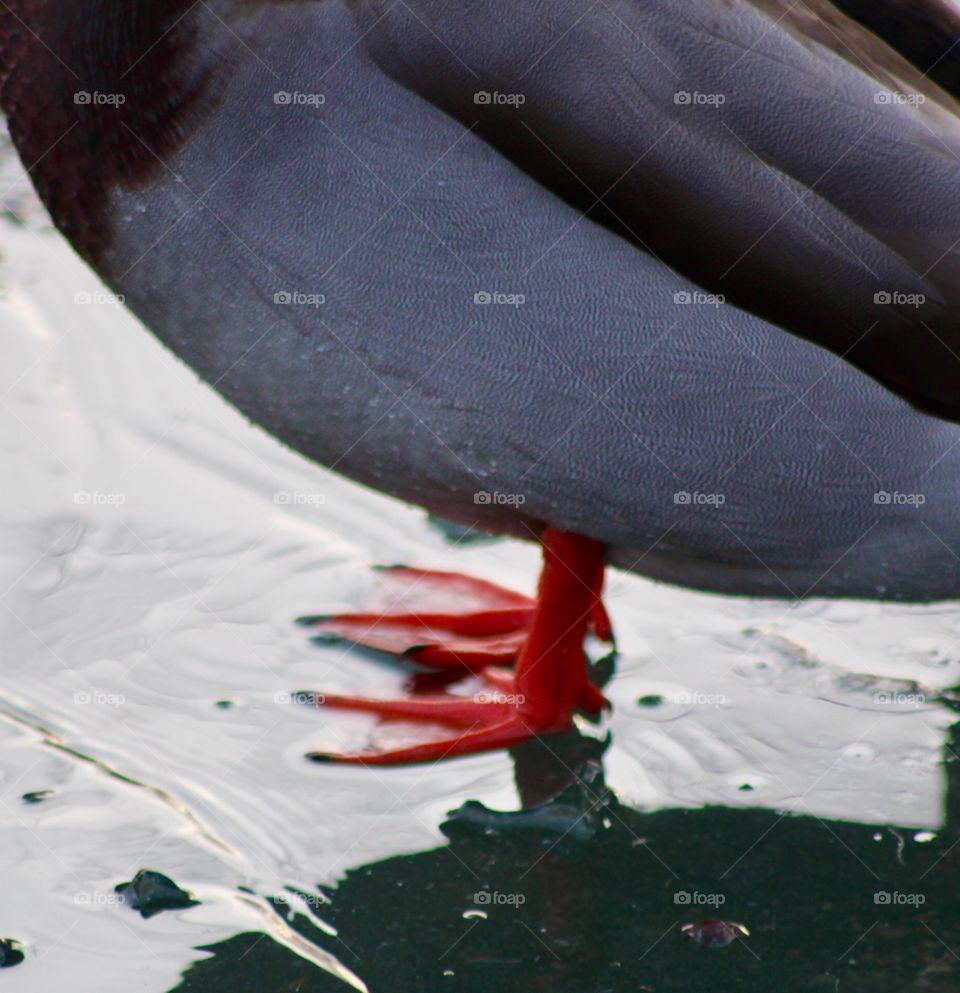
(324, 264)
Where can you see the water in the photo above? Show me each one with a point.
(774, 765)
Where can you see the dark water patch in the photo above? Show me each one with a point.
(521, 902)
(254, 962)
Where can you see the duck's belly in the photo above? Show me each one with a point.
(384, 293)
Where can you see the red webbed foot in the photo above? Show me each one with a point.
(543, 637)
(444, 620)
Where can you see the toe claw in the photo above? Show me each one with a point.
(310, 620)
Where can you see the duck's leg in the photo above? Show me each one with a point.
(549, 681)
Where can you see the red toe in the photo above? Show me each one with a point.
(505, 735)
(444, 709)
(440, 619)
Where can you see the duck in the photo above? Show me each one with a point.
(670, 288)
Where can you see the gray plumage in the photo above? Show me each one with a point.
(598, 386)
